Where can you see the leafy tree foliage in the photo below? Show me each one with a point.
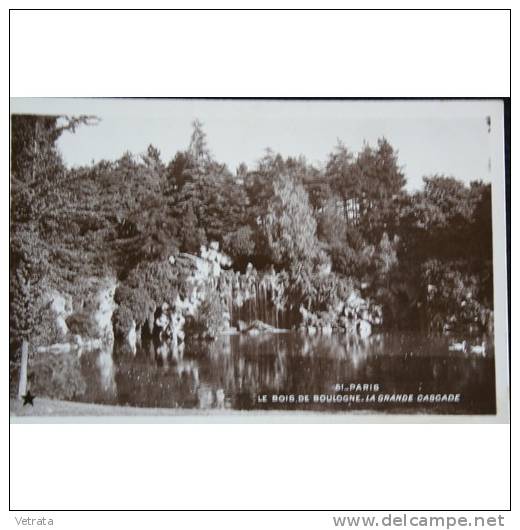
(207, 199)
(447, 219)
(289, 224)
(37, 173)
(130, 216)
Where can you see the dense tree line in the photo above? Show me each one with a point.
(351, 215)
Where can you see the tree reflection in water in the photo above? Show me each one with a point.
(231, 371)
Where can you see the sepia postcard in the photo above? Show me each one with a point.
(251, 260)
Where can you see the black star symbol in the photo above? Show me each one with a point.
(28, 399)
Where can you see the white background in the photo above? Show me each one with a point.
(253, 466)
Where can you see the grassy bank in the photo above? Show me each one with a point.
(54, 407)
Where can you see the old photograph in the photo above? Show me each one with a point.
(256, 258)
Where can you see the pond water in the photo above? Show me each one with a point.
(390, 373)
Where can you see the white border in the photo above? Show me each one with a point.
(447, 466)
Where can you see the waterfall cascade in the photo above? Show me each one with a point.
(262, 300)
(254, 296)
(249, 297)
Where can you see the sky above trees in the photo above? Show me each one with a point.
(452, 138)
